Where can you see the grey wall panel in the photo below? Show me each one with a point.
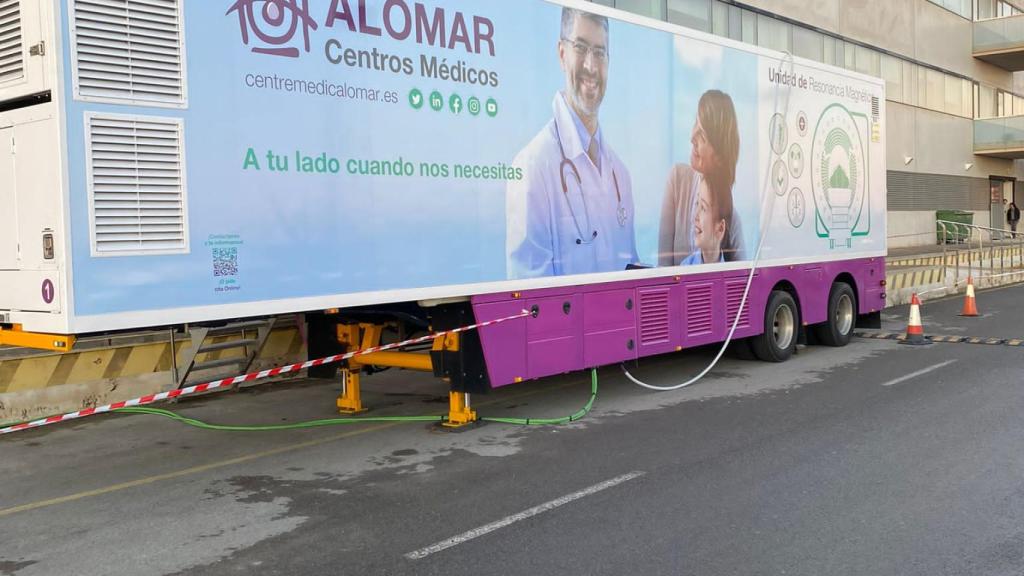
(914, 191)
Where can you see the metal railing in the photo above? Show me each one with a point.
(1000, 243)
(1001, 33)
(994, 135)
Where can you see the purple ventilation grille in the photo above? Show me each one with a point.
(734, 295)
(698, 309)
(654, 317)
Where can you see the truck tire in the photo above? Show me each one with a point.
(842, 316)
(781, 328)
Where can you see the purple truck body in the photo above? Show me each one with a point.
(580, 327)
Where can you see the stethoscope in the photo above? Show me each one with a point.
(620, 212)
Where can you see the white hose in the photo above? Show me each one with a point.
(765, 226)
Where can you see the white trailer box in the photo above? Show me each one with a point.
(173, 161)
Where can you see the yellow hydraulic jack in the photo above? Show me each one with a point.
(366, 335)
(459, 413)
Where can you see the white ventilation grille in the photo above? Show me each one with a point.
(129, 50)
(136, 178)
(12, 66)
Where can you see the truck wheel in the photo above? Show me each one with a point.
(842, 316)
(781, 323)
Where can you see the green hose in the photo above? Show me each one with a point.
(555, 421)
(272, 427)
(337, 421)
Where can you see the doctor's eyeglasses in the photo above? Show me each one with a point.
(582, 49)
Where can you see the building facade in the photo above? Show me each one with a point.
(955, 110)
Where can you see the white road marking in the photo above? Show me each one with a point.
(921, 372)
(547, 506)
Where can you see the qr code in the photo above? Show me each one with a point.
(225, 261)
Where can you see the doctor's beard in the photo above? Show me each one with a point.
(586, 91)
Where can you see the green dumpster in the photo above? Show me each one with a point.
(954, 234)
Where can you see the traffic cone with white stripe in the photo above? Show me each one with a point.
(915, 332)
(970, 304)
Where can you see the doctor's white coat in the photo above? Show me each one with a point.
(544, 223)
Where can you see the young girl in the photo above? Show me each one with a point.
(710, 223)
(714, 154)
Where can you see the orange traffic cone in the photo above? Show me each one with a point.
(915, 332)
(970, 304)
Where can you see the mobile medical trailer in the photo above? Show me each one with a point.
(416, 165)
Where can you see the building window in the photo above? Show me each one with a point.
(954, 96)
(892, 73)
(720, 18)
(829, 50)
(967, 89)
(652, 8)
(749, 27)
(905, 82)
(867, 61)
(959, 7)
(935, 89)
(694, 14)
(909, 83)
(850, 53)
(773, 34)
(986, 9)
(807, 44)
(987, 106)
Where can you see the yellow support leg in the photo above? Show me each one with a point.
(459, 413)
(350, 401)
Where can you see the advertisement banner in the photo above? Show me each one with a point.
(341, 147)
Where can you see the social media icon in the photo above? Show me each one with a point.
(455, 103)
(436, 101)
(473, 105)
(416, 98)
(492, 107)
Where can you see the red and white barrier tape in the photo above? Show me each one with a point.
(216, 384)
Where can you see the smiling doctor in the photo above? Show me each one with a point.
(572, 213)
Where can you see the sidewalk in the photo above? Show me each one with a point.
(922, 269)
(936, 249)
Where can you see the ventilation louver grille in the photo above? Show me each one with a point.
(734, 295)
(137, 185)
(654, 317)
(698, 309)
(129, 50)
(12, 66)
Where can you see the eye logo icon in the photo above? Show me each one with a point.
(274, 24)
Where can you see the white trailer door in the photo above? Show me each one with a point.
(8, 203)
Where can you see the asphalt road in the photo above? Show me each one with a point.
(873, 459)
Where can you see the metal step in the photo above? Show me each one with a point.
(236, 326)
(243, 339)
(227, 345)
(233, 361)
